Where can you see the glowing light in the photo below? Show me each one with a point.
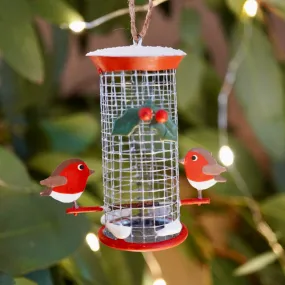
(250, 8)
(93, 242)
(77, 26)
(226, 155)
(159, 281)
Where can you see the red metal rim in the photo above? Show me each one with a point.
(195, 201)
(107, 63)
(143, 247)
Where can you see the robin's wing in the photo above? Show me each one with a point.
(219, 178)
(213, 169)
(46, 192)
(54, 181)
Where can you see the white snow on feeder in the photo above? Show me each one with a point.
(119, 231)
(137, 51)
(170, 229)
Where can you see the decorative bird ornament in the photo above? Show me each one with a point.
(68, 181)
(202, 170)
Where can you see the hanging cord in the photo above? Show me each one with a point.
(138, 36)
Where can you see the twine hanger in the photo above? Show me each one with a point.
(138, 36)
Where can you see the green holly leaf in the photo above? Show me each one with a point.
(166, 131)
(126, 124)
(150, 104)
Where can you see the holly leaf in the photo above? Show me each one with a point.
(166, 131)
(126, 124)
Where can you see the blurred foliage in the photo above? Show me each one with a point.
(39, 244)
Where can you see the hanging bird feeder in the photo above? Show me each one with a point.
(139, 148)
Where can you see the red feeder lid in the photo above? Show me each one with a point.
(136, 57)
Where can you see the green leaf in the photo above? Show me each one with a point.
(222, 273)
(126, 124)
(215, 5)
(72, 133)
(24, 281)
(42, 277)
(190, 28)
(110, 260)
(272, 272)
(190, 75)
(58, 12)
(19, 45)
(208, 139)
(191, 245)
(136, 265)
(261, 94)
(6, 279)
(236, 6)
(166, 131)
(13, 174)
(85, 267)
(278, 174)
(274, 212)
(257, 263)
(35, 232)
(48, 161)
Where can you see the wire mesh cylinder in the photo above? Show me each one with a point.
(140, 170)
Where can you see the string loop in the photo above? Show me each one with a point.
(138, 36)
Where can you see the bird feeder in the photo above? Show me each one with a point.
(139, 148)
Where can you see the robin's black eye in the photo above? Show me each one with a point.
(80, 167)
(194, 157)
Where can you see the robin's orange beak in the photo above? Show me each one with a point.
(91, 171)
(181, 161)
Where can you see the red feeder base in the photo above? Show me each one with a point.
(195, 201)
(121, 244)
(79, 210)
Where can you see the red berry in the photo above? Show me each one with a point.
(161, 116)
(145, 114)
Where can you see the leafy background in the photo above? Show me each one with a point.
(50, 111)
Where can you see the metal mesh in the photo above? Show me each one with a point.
(140, 172)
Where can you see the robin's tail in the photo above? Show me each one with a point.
(46, 192)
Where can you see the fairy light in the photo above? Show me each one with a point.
(92, 241)
(250, 8)
(159, 281)
(226, 155)
(77, 26)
